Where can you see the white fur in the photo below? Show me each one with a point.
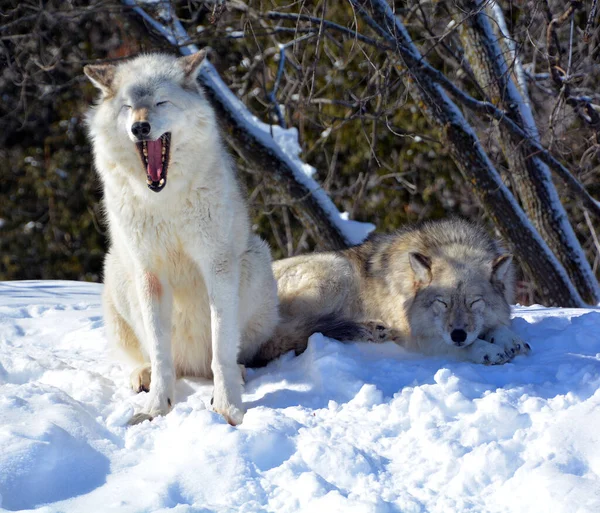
(191, 241)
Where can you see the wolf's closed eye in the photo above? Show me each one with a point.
(161, 103)
(477, 301)
(443, 303)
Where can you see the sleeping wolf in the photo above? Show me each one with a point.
(439, 288)
(189, 289)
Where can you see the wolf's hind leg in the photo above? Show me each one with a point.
(140, 378)
(120, 332)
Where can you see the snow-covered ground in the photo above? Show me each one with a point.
(348, 428)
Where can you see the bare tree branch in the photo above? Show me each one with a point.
(352, 34)
(561, 77)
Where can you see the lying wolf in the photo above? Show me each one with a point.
(189, 289)
(439, 288)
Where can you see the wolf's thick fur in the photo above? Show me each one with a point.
(188, 288)
(439, 288)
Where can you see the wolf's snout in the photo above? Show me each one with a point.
(141, 129)
(458, 336)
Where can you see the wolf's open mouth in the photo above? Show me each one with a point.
(155, 158)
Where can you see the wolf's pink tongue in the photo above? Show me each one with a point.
(155, 165)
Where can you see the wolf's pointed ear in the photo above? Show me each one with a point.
(102, 76)
(190, 63)
(500, 266)
(421, 266)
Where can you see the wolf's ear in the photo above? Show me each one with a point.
(421, 266)
(190, 63)
(500, 266)
(102, 76)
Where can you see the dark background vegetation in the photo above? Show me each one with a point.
(374, 152)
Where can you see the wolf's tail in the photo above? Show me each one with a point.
(293, 334)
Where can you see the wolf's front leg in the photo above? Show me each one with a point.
(156, 303)
(223, 288)
(481, 351)
(506, 338)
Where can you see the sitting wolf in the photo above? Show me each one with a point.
(189, 288)
(439, 288)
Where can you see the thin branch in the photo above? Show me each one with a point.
(272, 96)
(512, 49)
(587, 35)
(274, 15)
(584, 109)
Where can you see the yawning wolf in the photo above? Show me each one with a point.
(188, 288)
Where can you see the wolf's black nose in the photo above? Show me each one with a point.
(141, 129)
(458, 335)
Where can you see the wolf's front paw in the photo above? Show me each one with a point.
(227, 401)
(157, 404)
(484, 352)
(234, 415)
(508, 340)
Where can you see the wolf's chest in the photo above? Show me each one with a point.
(156, 239)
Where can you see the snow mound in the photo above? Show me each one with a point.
(343, 427)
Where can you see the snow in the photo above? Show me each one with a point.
(343, 427)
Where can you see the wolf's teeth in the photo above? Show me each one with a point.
(145, 151)
(163, 159)
(164, 150)
(162, 182)
(148, 181)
